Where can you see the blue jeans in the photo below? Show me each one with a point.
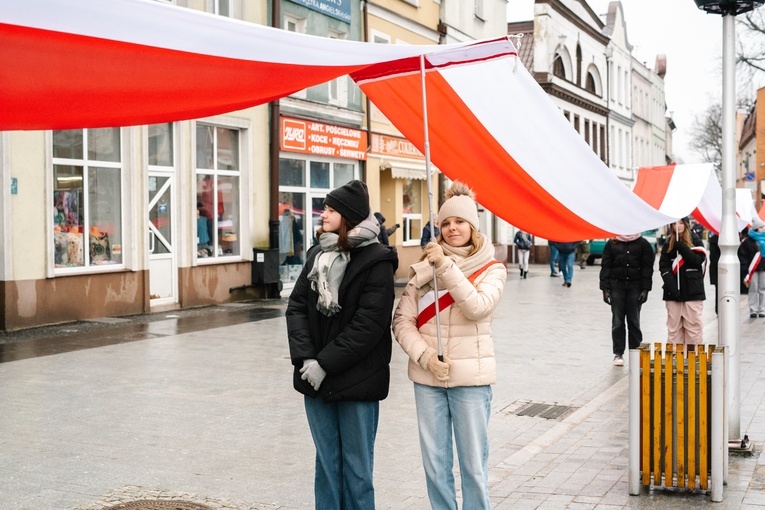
(464, 410)
(553, 259)
(567, 266)
(344, 436)
(624, 304)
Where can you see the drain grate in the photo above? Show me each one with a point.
(539, 410)
(147, 504)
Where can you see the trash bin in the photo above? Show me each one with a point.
(265, 266)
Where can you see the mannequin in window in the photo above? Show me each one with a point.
(290, 238)
(205, 190)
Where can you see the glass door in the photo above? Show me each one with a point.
(163, 268)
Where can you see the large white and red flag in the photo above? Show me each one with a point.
(660, 185)
(492, 125)
(96, 63)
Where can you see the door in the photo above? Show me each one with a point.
(163, 265)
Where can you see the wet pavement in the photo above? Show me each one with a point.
(197, 406)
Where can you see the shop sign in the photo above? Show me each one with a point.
(316, 138)
(338, 9)
(385, 145)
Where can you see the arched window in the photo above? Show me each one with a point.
(558, 69)
(578, 65)
(589, 85)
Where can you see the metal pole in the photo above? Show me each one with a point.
(728, 267)
(633, 477)
(717, 417)
(430, 198)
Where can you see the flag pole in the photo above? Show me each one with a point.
(429, 173)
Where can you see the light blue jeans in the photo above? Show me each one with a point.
(464, 410)
(344, 436)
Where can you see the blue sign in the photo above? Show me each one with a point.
(14, 185)
(749, 176)
(339, 9)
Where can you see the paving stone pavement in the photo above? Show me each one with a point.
(209, 416)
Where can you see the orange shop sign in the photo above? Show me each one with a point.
(386, 145)
(310, 137)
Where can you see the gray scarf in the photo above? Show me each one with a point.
(329, 267)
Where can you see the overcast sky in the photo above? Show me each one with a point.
(690, 38)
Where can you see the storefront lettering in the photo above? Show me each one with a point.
(311, 137)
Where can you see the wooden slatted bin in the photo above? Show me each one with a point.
(675, 404)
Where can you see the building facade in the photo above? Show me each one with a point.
(119, 221)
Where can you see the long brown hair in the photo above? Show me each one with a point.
(685, 237)
(342, 234)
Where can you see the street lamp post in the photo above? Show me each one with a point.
(728, 266)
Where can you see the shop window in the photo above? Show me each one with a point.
(87, 198)
(319, 174)
(303, 184)
(217, 185)
(412, 212)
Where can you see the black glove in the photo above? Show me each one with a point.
(607, 296)
(643, 297)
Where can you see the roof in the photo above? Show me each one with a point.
(526, 50)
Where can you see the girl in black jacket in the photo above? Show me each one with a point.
(338, 325)
(682, 265)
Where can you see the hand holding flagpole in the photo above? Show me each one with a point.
(430, 200)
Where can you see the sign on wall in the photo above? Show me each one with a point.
(386, 145)
(339, 9)
(310, 137)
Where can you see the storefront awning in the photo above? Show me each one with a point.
(399, 170)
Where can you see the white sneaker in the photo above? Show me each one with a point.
(618, 361)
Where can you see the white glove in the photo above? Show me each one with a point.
(435, 254)
(313, 373)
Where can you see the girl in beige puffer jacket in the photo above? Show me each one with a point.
(453, 395)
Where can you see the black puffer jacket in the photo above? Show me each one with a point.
(628, 262)
(354, 345)
(691, 286)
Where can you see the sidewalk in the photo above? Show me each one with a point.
(179, 411)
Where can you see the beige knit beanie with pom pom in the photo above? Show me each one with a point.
(460, 203)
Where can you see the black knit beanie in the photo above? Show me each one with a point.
(350, 200)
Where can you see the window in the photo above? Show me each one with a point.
(587, 131)
(338, 88)
(222, 7)
(294, 24)
(589, 85)
(303, 184)
(87, 198)
(558, 69)
(479, 9)
(217, 186)
(412, 212)
(579, 65)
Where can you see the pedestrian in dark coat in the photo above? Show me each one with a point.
(753, 266)
(338, 325)
(626, 275)
(714, 260)
(383, 235)
(682, 265)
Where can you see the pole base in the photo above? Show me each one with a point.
(741, 447)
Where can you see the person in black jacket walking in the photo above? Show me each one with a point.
(626, 274)
(682, 265)
(339, 331)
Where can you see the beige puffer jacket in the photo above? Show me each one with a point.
(465, 327)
